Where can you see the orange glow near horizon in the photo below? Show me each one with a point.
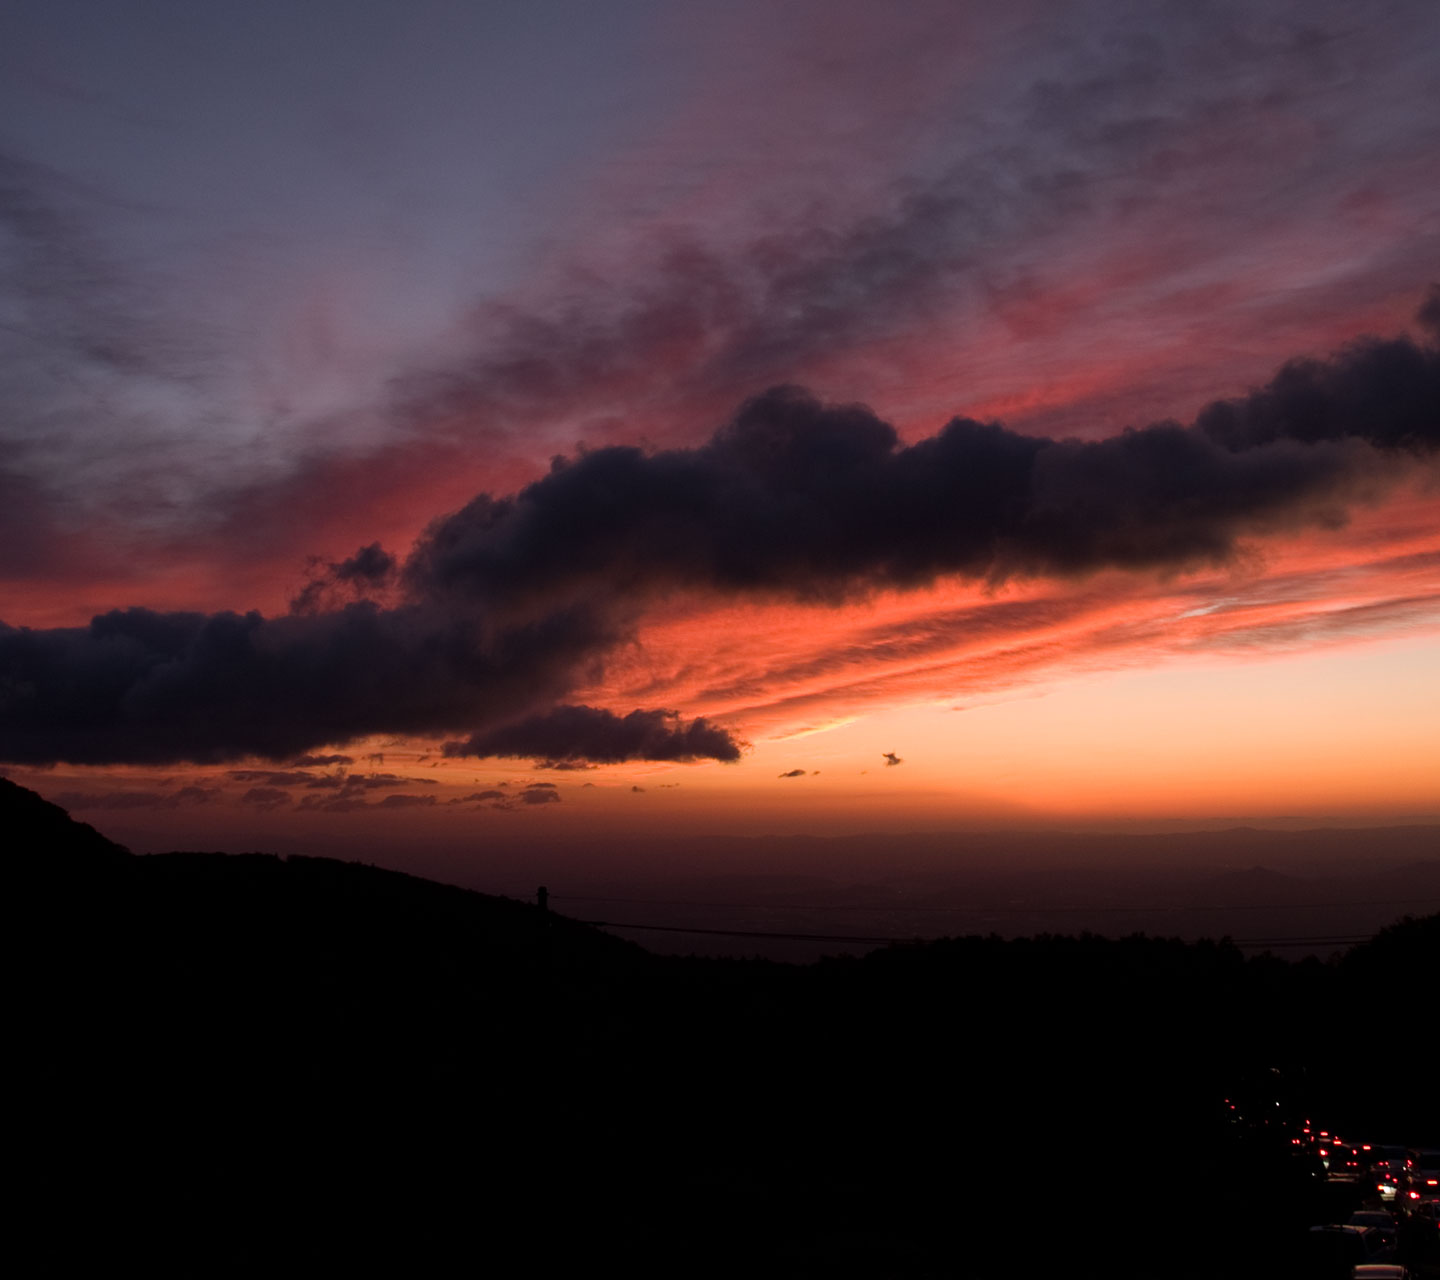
(1303, 682)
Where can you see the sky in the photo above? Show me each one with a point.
(459, 424)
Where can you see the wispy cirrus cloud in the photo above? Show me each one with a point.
(929, 654)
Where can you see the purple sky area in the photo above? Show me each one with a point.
(284, 287)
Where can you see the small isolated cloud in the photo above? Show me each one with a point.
(641, 790)
(266, 799)
(482, 797)
(794, 773)
(891, 759)
(330, 804)
(194, 795)
(401, 800)
(570, 737)
(494, 798)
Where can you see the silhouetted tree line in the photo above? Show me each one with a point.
(242, 1063)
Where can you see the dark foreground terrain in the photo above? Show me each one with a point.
(249, 1065)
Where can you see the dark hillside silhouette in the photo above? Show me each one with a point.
(242, 1064)
(43, 839)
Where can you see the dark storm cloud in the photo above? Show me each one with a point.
(576, 734)
(147, 687)
(370, 569)
(793, 498)
(512, 602)
(1382, 392)
(1428, 317)
(371, 565)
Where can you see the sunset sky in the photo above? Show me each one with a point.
(461, 423)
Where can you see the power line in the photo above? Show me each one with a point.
(745, 933)
(1098, 908)
(1350, 940)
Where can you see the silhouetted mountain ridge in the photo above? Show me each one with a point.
(41, 832)
(243, 1063)
(234, 894)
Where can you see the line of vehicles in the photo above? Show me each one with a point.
(1402, 1176)
(1393, 1233)
(1375, 1207)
